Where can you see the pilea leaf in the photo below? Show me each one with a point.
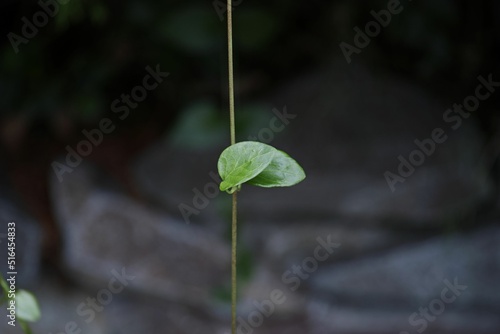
(243, 161)
(27, 306)
(257, 164)
(283, 171)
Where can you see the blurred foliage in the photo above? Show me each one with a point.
(93, 50)
(201, 125)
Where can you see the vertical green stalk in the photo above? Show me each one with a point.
(230, 68)
(233, 265)
(233, 141)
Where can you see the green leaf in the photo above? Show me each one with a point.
(199, 126)
(4, 286)
(283, 171)
(192, 28)
(257, 164)
(242, 162)
(25, 327)
(27, 306)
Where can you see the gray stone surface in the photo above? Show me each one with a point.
(134, 316)
(142, 316)
(324, 318)
(404, 279)
(167, 174)
(283, 245)
(104, 230)
(262, 287)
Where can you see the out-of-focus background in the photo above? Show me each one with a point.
(112, 118)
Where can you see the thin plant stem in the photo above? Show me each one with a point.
(233, 264)
(230, 68)
(232, 126)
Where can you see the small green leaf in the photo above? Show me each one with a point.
(283, 171)
(259, 165)
(4, 286)
(25, 327)
(242, 162)
(27, 306)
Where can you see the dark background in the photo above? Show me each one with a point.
(66, 77)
